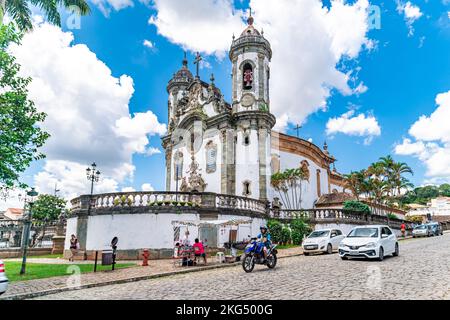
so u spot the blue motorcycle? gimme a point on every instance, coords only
(254, 255)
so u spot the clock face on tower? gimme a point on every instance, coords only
(247, 100)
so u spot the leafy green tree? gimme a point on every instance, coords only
(20, 135)
(444, 190)
(48, 207)
(357, 206)
(20, 12)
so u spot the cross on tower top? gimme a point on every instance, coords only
(197, 60)
(298, 127)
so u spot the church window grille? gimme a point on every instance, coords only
(248, 77)
(178, 166)
(211, 157)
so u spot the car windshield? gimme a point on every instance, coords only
(319, 234)
(363, 233)
(421, 227)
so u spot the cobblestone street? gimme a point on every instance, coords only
(421, 272)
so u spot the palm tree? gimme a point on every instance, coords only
(398, 181)
(288, 184)
(20, 12)
(355, 183)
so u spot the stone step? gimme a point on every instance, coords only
(80, 256)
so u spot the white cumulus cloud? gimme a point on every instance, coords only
(411, 13)
(354, 125)
(308, 42)
(88, 113)
(431, 143)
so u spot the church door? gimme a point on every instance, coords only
(210, 234)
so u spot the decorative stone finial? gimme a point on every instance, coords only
(250, 19)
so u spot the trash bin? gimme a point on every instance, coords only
(107, 257)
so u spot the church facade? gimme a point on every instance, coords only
(231, 148)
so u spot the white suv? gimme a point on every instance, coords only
(3, 278)
(374, 242)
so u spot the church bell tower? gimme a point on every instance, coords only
(250, 55)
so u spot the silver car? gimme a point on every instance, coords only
(3, 279)
(421, 231)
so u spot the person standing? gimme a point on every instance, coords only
(403, 229)
(74, 245)
(199, 250)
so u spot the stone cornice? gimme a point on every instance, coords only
(301, 147)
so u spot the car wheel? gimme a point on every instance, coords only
(306, 253)
(329, 249)
(381, 254)
(397, 251)
(344, 258)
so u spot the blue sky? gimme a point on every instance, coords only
(403, 70)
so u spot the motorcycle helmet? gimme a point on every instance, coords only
(263, 227)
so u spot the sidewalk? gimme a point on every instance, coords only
(158, 268)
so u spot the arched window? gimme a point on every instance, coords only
(248, 76)
(178, 165)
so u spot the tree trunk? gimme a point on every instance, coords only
(2, 10)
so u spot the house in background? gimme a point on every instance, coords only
(13, 214)
(438, 209)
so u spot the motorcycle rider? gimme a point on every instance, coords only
(265, 240)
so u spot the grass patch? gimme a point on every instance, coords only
(41, 270)
(288, 246)
(47, 256)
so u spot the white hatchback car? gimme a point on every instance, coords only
(3, 278)
(326, 240)
(374, 242)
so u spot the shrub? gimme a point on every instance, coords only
(391, 216)
(275, 229)
(299, 229)
(297, 237)
(285, 235)
(357, 206)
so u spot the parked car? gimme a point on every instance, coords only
(3, 278)
(422, 230)
(435, 229)
(373, 242)
(326, 240)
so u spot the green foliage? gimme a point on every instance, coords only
(285, 235)
(275, 228)
(357, 206)
(391, 216)
(20, 12)
(423, 195)
(299, 229)
(20, 135)
(415, 219)
(382, 182)
(48, 207)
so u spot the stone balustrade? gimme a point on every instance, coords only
(341, 216)
(165, 200)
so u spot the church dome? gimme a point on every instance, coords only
(251, 39)
(182, 76)
(250, 30)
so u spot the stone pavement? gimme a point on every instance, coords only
(422, 271)
(156, 268)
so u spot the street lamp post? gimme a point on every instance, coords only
(29, 199)
(92, 175)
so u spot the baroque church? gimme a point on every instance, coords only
(231, 148)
